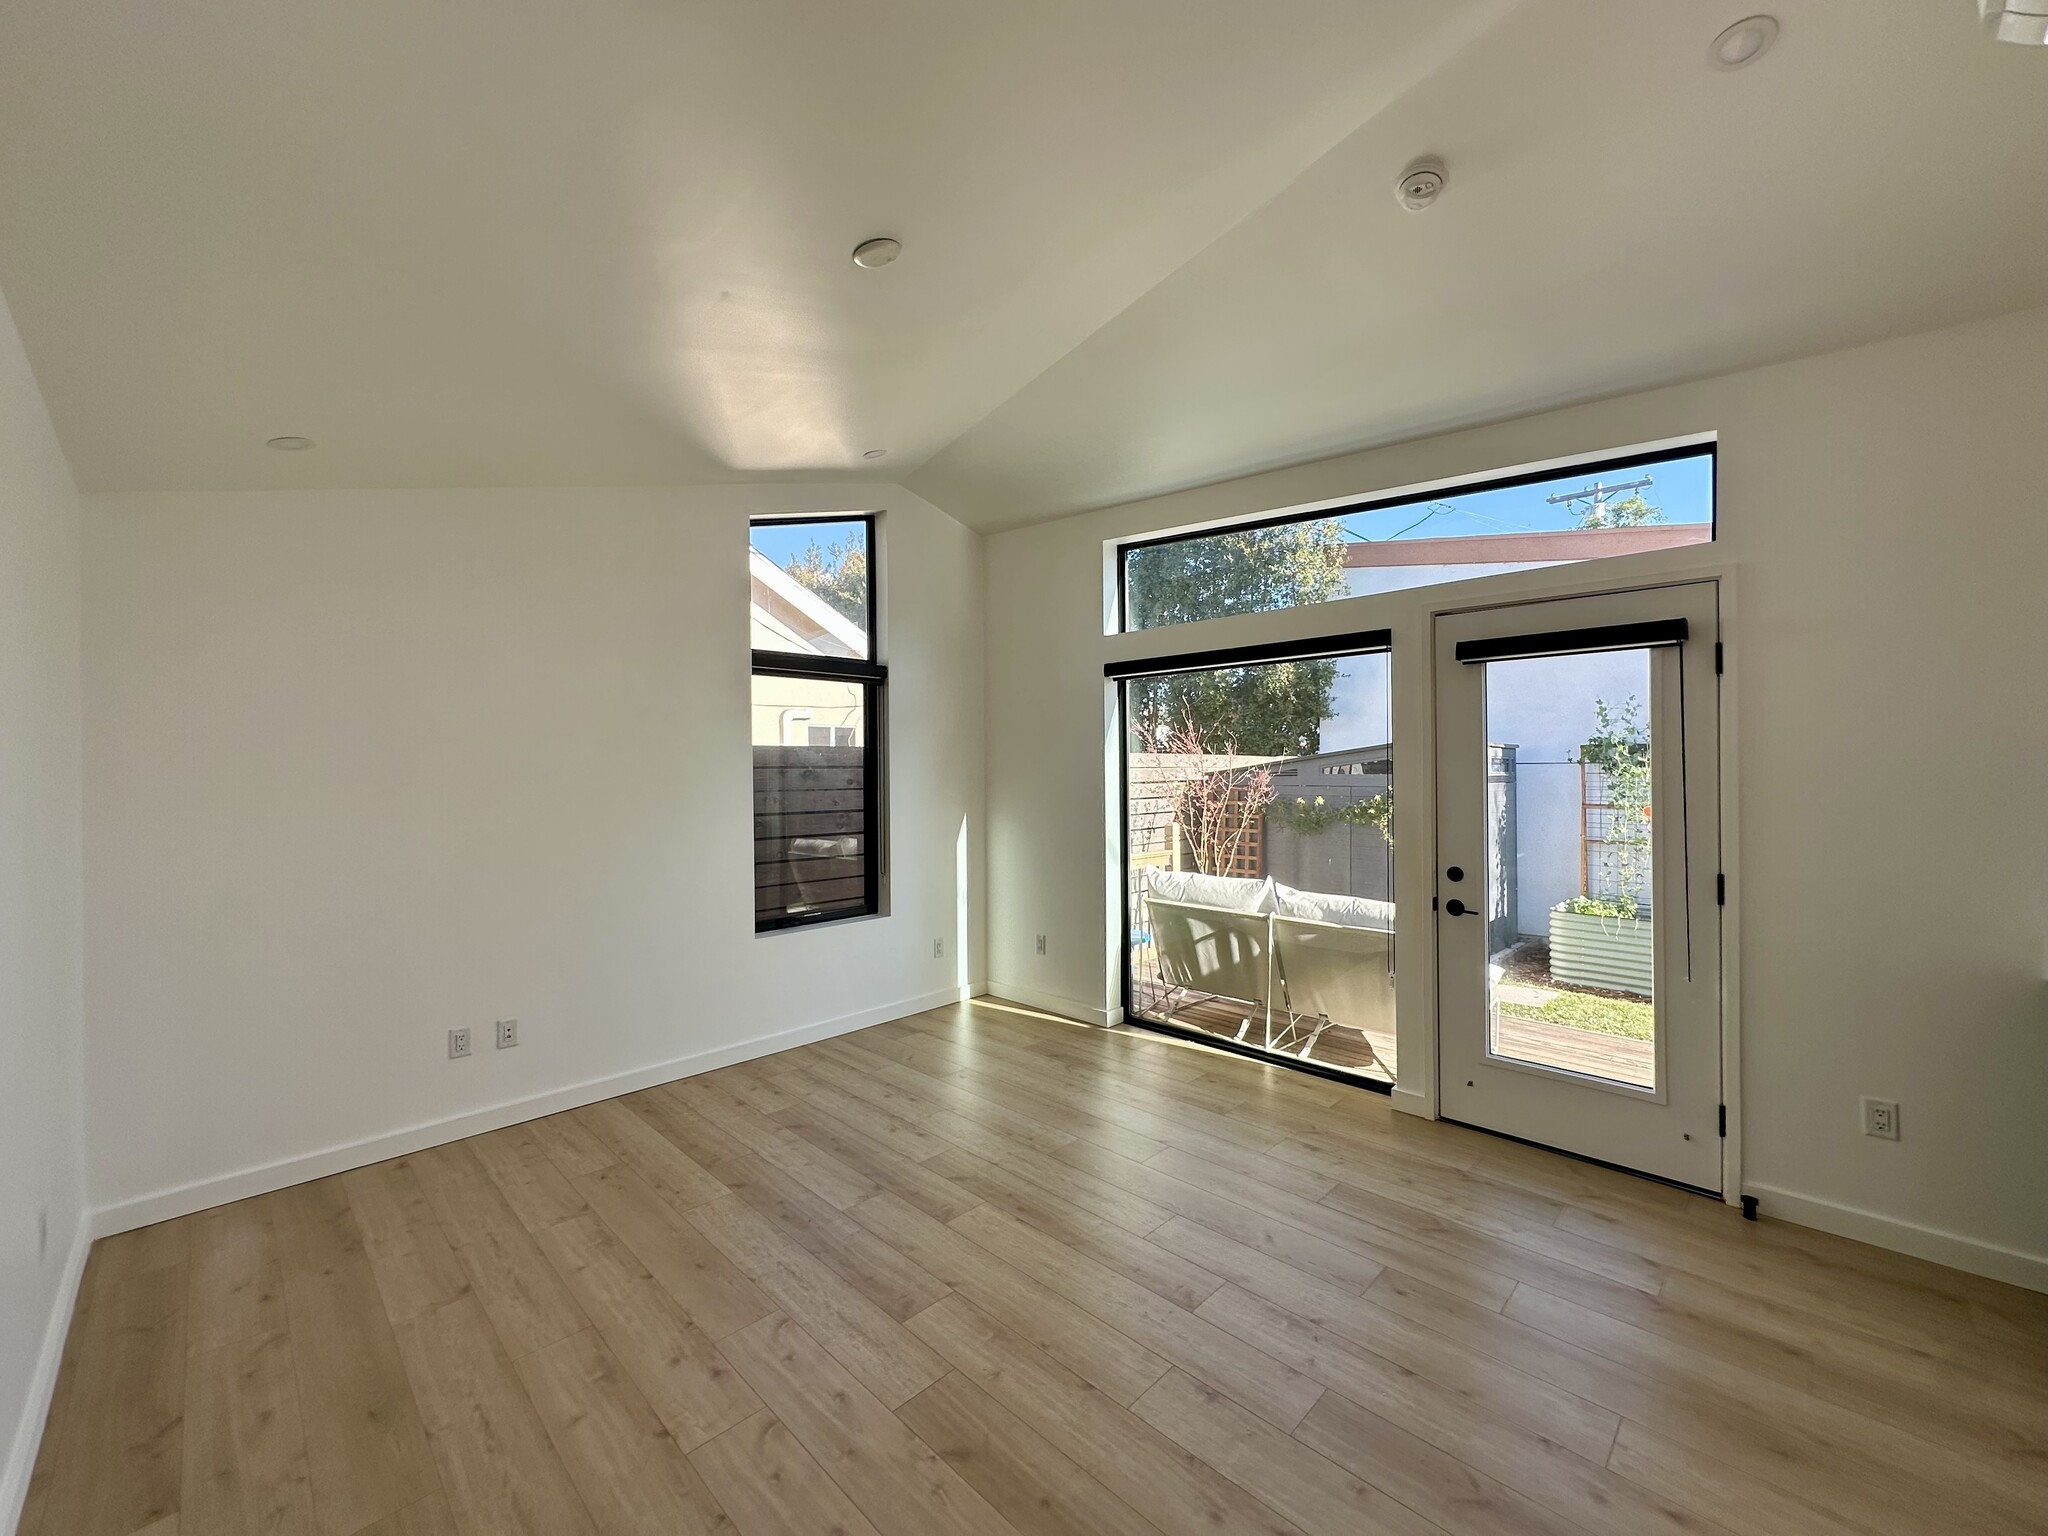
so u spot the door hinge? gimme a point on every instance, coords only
(1718, 659)
(1720, 890)
(1724, 1119)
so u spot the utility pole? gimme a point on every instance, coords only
(1595, 495)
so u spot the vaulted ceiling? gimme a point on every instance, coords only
(1147, 243)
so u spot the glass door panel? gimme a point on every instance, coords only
(1571, 864)
(1259, 857)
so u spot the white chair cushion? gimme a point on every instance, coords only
(1224, 893)
(1344, 911)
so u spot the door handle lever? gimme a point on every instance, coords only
(1457, 908)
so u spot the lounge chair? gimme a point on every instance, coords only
(1333, 965)
(1213, 935)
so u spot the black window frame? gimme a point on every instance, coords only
(1709, 450)
(873, 677)
(1120, 675)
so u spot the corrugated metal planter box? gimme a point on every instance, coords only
(1613, 953)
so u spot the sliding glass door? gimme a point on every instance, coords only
(1258, 791)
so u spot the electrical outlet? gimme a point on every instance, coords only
(1041, 943)
(508, 1033)
(1881, 1118)
(938, 949)
(458, 1043)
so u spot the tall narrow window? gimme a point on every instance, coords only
(816, 721)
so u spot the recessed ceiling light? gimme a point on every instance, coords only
(289, 444)
(1744, 43)
(876, 453)
(2017, 21)
(878, 252)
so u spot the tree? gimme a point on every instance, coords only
(839, 574)
(1275, 710)
(1217, 802)
(1632, 512)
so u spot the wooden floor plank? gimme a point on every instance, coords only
(1250, 1375)
(876, 1348)
(245, 1444)
(1311, 1490)
(1434, 1486)
(538, 1191)
(634, 1477)
(415, 1264)
(120, 1467)
(502, 1472)
(1100, 1354)
(981, 1270)
(662, 1165)
(878, 1272)
(708, 1286)
(1176, 1489)
(1023, 1475)
(675, 1364)
(771, 1486)
(1158, 1269)
(366, 1449)
(235, 1290)
(897, 1480)
(520, 1291)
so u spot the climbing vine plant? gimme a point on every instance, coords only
(1318, 815)
(1620, 749)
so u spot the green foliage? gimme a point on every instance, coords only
(1311, 816)
(1602, 1015)
(839, 574)
(1595, 906)
(1633, 512)
(1620, 749)
(1276, 710)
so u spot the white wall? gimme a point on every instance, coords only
(1886, 512)
(361, 767)
(41, 1138)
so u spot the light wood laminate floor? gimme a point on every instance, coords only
(978, 1271)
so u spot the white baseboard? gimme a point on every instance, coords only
(204, 1194)
(1932, 1243)
(1049, 1002)
(28, 1430)
(1410, 1102)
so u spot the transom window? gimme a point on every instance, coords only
(1518, 522)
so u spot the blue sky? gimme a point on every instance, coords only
(1683, 488)
(783, 542)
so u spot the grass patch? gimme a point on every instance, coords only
(1602, 1015)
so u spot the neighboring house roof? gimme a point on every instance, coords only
(795, 618)
(1557, 545)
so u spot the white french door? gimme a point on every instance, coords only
(1577, 895)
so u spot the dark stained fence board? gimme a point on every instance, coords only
(814, 794)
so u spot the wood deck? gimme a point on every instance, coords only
(1368, 1053)
(1371, 1053)
(980, 1271)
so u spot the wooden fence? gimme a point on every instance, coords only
(810, 830)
